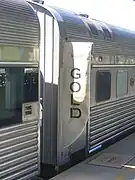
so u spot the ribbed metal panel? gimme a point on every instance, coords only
(19, 151)
(18, 24)
(73, 24)
(112, 47)
(110, 120)
(116, 40)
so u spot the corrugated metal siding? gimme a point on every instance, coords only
(18, 24)
(122, 41)
(112, 47)
(19, 151)
(73, 25)
(110, 120)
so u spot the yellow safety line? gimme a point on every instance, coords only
(121, 176)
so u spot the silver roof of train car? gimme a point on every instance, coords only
(70, 24)
(102, 30)
(73, 25)
(19, 24)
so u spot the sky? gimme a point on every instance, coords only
(116, 12)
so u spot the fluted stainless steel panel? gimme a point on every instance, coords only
(24, 173)
(110, 120)
(19, 151)
(113, 47)
(18, 24)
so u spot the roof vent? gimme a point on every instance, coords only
(93, 29)
(106, 32)
(84, 15)
(39, 1)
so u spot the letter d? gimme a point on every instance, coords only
(73, 114)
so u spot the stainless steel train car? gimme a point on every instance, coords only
(19, 91)
(88, 83)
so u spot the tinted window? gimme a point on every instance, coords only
(17, 86)
(103, 86)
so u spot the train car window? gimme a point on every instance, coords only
(103, 86)
(122, 83)
(17, 86)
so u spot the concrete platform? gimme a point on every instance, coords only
(117, 162)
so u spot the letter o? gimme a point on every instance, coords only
(72, 89)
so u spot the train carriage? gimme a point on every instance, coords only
(19, 91)
(87, 84)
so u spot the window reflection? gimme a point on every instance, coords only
(17, 86)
